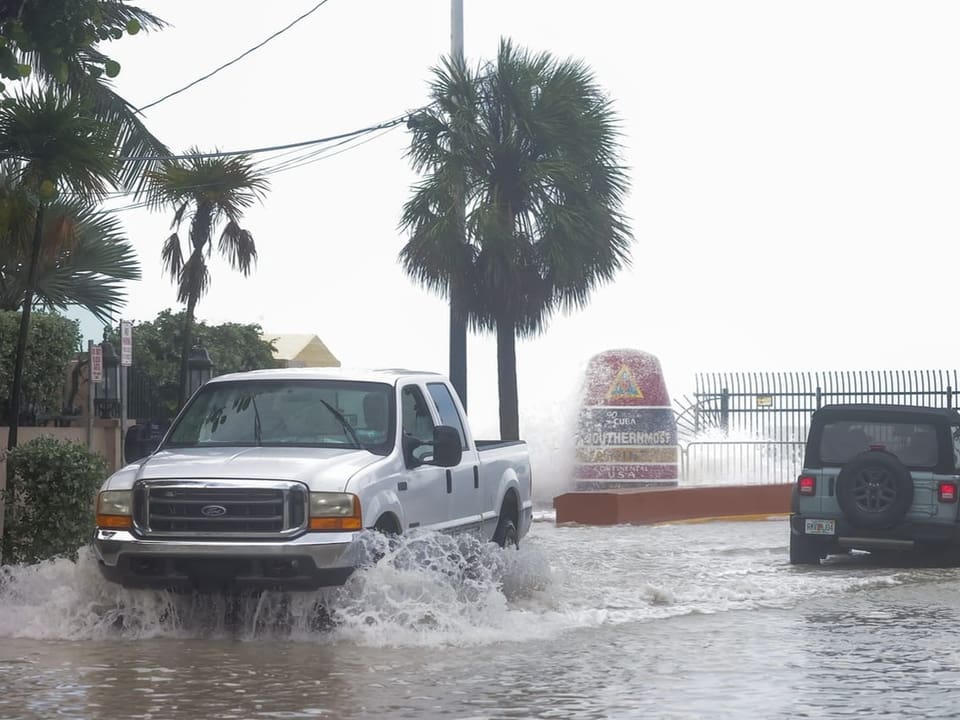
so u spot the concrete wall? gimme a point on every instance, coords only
(658, 505)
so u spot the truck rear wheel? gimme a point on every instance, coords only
(506, 534)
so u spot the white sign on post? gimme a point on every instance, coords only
(126, 343)
(96, 364)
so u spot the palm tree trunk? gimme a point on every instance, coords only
(507, 379)
(15, 386)
(186, 347)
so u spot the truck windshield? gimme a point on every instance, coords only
(305, 413)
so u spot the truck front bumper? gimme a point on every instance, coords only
(308, 562)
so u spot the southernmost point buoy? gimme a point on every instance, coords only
(627, 464)
(626, 431)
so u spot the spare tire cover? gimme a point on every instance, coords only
(874, 490)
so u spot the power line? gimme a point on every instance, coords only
(236, 59)
(288, 164)
(271, 148)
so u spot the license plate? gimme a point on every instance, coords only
(820, 527)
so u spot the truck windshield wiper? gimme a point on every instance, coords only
(256, 421)
(346, 426)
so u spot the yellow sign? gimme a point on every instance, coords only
(624, 386)
(764, 400)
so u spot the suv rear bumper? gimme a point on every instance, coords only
(903, 536)
(308, 562)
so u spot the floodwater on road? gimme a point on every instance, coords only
(672, 621)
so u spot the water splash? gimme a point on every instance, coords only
(427, 588)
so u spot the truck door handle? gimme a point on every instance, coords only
(476, 477)
(449, 482)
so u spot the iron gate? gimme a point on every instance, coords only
(751, 427)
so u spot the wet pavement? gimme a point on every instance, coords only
(676, 621)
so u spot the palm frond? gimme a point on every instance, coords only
(57, 142)
(172, 257)
(236, 244)
(194, 278)
(85, 260)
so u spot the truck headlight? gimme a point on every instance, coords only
(115, 509)
(335, 511)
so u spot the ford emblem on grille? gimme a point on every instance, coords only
(213, 510)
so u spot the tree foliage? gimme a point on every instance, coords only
(53, 343)
(84, 259)
(56, 43)
(233, 347)
(60, 37)
(530, 145)
(51, 513)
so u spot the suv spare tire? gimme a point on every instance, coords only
(874, 490)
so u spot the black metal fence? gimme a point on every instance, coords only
(145, 400)
(751, 427)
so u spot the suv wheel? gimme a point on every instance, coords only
(874, 490)
(802, 551)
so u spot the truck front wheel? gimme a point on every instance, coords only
(506, 534)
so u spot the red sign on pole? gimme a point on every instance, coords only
(126, 343)
(96, 364)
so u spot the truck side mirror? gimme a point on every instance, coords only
(447, 450)
(140, 441)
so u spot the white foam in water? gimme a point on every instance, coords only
(429, 588)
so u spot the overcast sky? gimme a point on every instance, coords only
(795, 170)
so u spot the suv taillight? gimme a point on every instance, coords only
(947, 492)
(807, 485)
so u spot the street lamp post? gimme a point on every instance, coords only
(199, 369)
(108, 402)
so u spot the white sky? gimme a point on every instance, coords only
(795, 170)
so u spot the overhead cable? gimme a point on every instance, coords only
(236, 59)
(271, 148)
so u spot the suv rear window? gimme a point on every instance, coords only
(914, 444)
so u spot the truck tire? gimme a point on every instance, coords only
(387, 527)
(802, 551)
(506, 534)
(874, 490)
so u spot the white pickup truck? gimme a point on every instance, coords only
(267, 479)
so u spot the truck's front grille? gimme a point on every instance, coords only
(220, 509)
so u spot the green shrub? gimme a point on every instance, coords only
(52, 511)
(52, 343)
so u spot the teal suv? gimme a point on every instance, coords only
(877, 478)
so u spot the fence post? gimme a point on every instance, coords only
(819, 397)
(725, 410)
(949, 397)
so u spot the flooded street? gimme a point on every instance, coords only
(675, 621)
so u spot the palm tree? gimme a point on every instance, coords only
(61, 149)
(54, 147)
(533, 144)
(84, 257)
(211, 190)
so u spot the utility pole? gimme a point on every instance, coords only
(458, 318)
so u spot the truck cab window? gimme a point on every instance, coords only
(447, 409)
(416, 414)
